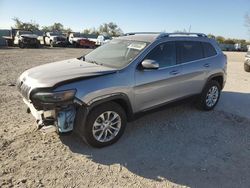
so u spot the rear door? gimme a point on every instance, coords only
(190, 56)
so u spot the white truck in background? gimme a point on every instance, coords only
(55, 39)
(22, 39)
(102, 39)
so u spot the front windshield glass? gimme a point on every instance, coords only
(55, 34)
(77, 35)
(24, 32)
(116, 53)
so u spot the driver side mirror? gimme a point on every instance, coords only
(150, 64)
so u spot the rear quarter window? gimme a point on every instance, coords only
(208, 49)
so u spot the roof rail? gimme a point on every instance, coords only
(138, 33)
(181, 34)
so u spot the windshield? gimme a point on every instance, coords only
(116, 53)
(77, 35)
(24, 32)
(55, 34)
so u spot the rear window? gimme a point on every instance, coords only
(209, 50)
(188, 51)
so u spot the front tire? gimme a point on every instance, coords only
(104, 126)
(76, 45)
(51, 44)
(209, 96)
(21, 44)
(246, 68)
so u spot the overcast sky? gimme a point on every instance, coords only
(219, 17)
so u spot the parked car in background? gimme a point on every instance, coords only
(248, 47)
(96, 94)
(247, 62)
(55, 39)
(240, 47)
(26, 39)
(102, 39)
(227, 47)
(22, 39)
(78, 40)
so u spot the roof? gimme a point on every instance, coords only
(140, 37)
(150, 36)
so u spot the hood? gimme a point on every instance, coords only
(33, 36)
(50, 74)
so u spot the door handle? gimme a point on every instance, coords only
(174, 72)
(206, 65)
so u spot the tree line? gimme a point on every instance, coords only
(110, 28)
(224, 40)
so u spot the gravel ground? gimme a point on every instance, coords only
(177, 146)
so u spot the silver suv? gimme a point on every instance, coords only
(95, 95)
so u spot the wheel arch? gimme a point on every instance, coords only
(119, 98)
(219, 77)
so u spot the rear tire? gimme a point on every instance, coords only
(104, 125)
(246, 68)
(209, 96)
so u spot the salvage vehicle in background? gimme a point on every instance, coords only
(78, 40)
(247, 62)
(102, 39)
(22, 39)
(96, 94)
(55, 39)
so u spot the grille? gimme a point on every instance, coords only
(23, 89)
(60, 39)
(29, 40)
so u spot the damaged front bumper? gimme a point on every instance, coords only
(61, 117)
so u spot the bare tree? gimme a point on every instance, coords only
(56, 27)
(30, 26)
(110, 29)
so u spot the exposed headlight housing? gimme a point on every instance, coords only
(53, 97)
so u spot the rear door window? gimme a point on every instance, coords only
(188, 51)
(208, 49)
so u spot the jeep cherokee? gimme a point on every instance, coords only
(95, 95)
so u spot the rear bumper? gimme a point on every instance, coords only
(247, 61)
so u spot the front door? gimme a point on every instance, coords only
(157, 86)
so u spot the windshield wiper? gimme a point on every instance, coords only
(81, 58)
(94, 62)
